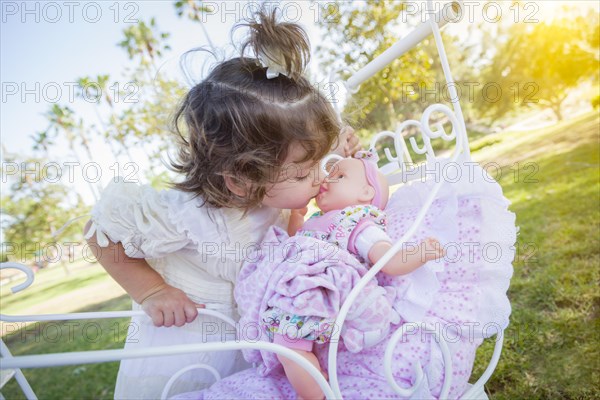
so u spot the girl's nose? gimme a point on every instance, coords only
(319, 177)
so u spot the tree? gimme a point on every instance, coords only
(143, 42)
(43, 140)
(147, 120)
(536, 65)
(358, 32)
(35, 209)
(63, 121)
(109, 130)
(193, 10)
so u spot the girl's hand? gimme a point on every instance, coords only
(350, 141)
(169, 306)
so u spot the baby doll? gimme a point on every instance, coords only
(351, 201)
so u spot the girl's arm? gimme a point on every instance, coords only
(405, 262)
(165, 304)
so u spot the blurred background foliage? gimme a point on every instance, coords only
(535, 65)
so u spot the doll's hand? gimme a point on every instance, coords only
(299, 211)
(431, 249)
(296, 220)
(170, 306)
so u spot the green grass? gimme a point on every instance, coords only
(90, 381)
(49, 283)
(552, 344)
(552, 347)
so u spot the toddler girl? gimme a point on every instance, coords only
(250, 139)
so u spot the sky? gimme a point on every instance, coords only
(46, 46)
(44, 49)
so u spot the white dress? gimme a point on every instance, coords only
(198, 249)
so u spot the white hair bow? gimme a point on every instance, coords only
(273, 64)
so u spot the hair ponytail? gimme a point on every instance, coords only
(278, 43)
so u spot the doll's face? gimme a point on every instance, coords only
(346, 185)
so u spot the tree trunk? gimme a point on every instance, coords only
(62, 263)
(104, 130)
(556, 111)
(555, 105)
(72, 148)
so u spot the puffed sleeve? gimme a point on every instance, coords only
(137, 216)
(357, 219)
(366, 238)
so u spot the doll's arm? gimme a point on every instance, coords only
(296, 220)
(406, 261)
(165, 304)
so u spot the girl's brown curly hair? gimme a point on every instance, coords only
(240, 124)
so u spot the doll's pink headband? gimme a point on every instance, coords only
(369, 159)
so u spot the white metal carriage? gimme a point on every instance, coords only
(395, 168)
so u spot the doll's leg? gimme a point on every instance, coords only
(304, 385)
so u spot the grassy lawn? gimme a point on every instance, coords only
(552, 345)
(90, 381)
(48, 284)
(55, 292)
